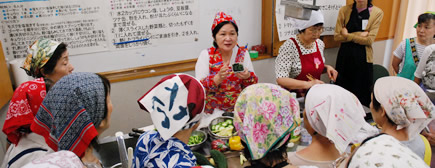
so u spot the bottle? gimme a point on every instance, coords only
(305, 137)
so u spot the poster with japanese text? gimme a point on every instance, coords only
(88, 26)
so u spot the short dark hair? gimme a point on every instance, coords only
(273, 156)
(316, 25)
(377, 107)
(48, 68)
(426, 18)
(218, 27)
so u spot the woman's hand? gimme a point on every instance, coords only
(243, 75)
(344, 32)
(221, 75)
(364, 34)
(332, 73)
(311, 83)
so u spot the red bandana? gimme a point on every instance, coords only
(221, 17)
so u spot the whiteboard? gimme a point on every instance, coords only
(101, 58)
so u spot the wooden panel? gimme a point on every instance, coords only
(390, 18)
(266, 25)
(5, 81)
(157, 70)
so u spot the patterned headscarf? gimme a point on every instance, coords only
(385, 151)
(175, 103)
(221, 17)
(38, 55)
(70, 112)
(264, 116)
(334, 113)
(405, 103)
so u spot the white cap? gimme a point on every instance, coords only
(315, 18)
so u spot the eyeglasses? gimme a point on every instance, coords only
(316, 30)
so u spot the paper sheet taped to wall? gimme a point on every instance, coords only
(97, 25)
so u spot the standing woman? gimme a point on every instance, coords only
(47, 60)
(300, 61)
(356, 29)
(214, 70)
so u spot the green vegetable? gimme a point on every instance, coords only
(219, 159)
(201, 159)
(223, 128)
(195, 139)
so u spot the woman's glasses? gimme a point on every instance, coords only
(316, 30)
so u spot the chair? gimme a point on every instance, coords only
(378, 72)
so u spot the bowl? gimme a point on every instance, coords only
(216, 121)
(200, 133)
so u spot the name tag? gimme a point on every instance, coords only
(364, 24)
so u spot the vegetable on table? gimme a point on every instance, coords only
(219, 145)
(201, 159)
(235, 143)
(219, 159)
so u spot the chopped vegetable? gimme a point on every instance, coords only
(195, 139)
(224, 128)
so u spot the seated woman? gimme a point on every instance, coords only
(402, 109)
(410, 51)
(47, 60)
(176, 105)
(300, 61)
(263, 116)
(333, 116)
(214, 66)
(382, 151)
(76, 110)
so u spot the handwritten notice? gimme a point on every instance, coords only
(78, 24)
(97, 25)
(161, 22)
(329, 8)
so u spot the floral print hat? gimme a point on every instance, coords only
(221, 17)
(38, 55)
(264, 117)
(405, 103)
(335, 113)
